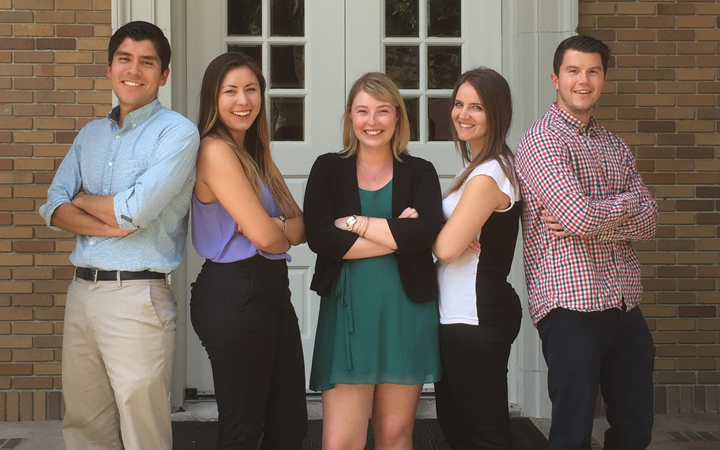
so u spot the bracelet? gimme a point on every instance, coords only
(283, 219)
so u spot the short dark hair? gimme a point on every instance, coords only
(141, 31)
(581, 43)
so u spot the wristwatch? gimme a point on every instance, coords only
(351, 221)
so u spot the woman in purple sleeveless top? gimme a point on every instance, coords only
(244, 221)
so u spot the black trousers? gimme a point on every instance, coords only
(242, 313)
(472, 395)
(612, 349)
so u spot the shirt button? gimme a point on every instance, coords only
(92, 242)
(117, 136)
(105, 191)
(110, 163)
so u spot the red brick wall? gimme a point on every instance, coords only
(663, 98)
(52, 82)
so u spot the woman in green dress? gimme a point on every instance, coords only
(371, 213)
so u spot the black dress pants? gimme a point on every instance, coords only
(472, 396)
(242, 313)
(612, 349)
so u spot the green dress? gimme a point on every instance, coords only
(369, 331)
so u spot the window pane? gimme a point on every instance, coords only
(287, 18)
(244, 17)
(401, 18)
(287, 121)
(444, 18)
(443, 67)
(413, 111)
(287, 66)
(253, 51)
(402, 64)
(439, 121)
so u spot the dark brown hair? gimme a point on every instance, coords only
(494, 93)
(142, 31)
(254, 154)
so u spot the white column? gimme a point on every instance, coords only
(532, 29)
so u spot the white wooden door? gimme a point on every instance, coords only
(311, 52)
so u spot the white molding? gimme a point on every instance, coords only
(532, 29)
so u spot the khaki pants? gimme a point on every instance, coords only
(117, 361)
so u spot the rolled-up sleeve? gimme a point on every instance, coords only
(66, 184)
(173, 167)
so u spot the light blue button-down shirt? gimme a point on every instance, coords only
(149, 165)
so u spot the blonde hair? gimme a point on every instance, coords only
(382, 88)
(254, 154)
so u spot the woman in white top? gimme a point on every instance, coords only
(480, 312)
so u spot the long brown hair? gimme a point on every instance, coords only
(494, 92)
(254, 154)
(382, 88)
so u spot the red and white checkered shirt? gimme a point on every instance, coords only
(587, 179)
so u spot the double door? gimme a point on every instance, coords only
(311, 52)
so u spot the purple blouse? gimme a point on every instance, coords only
(214, 235)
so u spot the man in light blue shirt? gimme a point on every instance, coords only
(124, 188)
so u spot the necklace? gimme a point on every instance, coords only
(377, 173)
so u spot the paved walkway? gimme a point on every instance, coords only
(687, 432)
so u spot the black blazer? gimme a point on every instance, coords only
(332, 192)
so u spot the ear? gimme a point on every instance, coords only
(164, 77)
(109, 70)
(554, 79)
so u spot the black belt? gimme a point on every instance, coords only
(95, 275)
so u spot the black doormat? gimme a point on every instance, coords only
(426, 435)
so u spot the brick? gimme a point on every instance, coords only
(94, 70)
(708, 35)
(656, 48)
(33, 30)
(675, 325)
(636, 35)
(33, 84)
(675, 113)
(13, 123)
(14, 178)
(673, 9)
(17, 97)
(92, 44)
(75, 110)
(16, 70)
(696, 231)
(675, 298)
(15, 369)
(54, 17)
(695, 48)
(17, 44)
(660, 400)
(667, 351)
(46, 341)
(695, 22)
(74, 4)
(12, 406)
(48, 369)
(32, 383)
(32, 328)
(656, 74)
(34, 164)
(635, 61)
(32, 274)
(32, 299)
(55, 71)
(93, 18)
(33, 4)
(52, 260)
(695, 74)
(635, 9)
(616, 22)
(51, 287)
(75, 31)
(696, 126)
(54, 124)
(708, 377)
(73, 58)
(55, 97)
(74, 84)
(664, 364)
(656, 22)
(709, 245)
(708, 297)
(710, 272)
(675, 378)
(708, 324)
(16, 17)
(33, 355)
(34, 110)
(33, 57)
(676, 35)
(65, 136)
(54, 403)
(15, 342)
(708, 61)
(675, 61)
(675, 139)
(58, 151)
(656, 126)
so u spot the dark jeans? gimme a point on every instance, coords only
(472, 397)
(243, 315)
(612, 349)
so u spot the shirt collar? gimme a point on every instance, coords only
(135, 117)
(572, 122)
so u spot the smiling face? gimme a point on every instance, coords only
(373, 121)
(579, 83)
(469, 117)
(239, 101)
(136, 75)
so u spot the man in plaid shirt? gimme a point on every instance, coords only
(584, 203)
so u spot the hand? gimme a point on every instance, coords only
(473, 247)
(238, 229)
(552, 224)
(409, 213)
